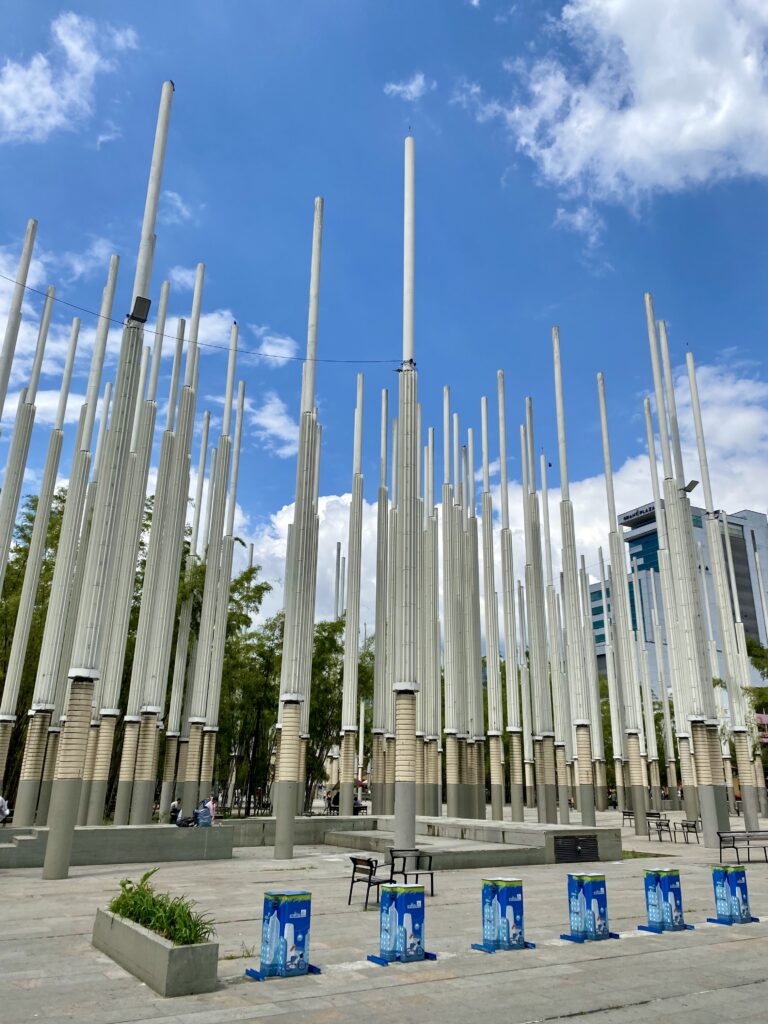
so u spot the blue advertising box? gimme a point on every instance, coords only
(664, 900)
(739, 899)
(596, 906)
(401, 923)
(503, 913)
(671, 899)
(285, 933)
(722, 893)
(653, 900)
(577, 908)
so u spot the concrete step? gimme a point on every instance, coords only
(447, 854)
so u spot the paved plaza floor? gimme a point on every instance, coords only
(49, 971)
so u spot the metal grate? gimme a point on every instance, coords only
(572, 849)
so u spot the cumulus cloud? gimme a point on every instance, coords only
(174, 209)
(735, 411)
(660, 97)
(47, 404)
(274, 349)
(585, 221)
(274, 425)
(413, 89)
(74, 266)
(183, 277)
(55, 90)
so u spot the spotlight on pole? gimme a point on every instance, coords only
(140, 312)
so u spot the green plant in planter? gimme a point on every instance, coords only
(171, 917)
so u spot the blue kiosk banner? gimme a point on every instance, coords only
(588, 909)
(401, 923)
(664, 901)
(731, 896)
(502, 905)
(285, 934)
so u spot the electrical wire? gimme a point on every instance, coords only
(205, 344)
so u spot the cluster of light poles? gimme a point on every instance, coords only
(531, 710)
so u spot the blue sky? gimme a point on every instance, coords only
(569, 157)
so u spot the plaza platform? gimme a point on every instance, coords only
(52, 973)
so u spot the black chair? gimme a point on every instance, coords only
(412, 862)
(364, 871)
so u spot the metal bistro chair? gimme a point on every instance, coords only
(412, 862)
(364, 871)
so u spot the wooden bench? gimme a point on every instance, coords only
(364, 872)
(686, 828)
(627, 818)
(743, 840)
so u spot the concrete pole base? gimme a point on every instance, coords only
(46, 786)
(26, 802)
(142, 801)
(377, 797)
(285, 823)
(123, 802)
(497, 803)
(563, 796)
(530, 789)
(405, 816)
(96, 802)
(65, 802)
(749, 808)
(601, 785)
(587, 804)
(346, 799)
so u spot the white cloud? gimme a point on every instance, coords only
(47, 403)
(109, 133)
(274, 425)
(413, 89)
(662, 97)
(274, 349)
(55, 90)
(183, 277)
(584, 220)
(174, 209)
(76, 265)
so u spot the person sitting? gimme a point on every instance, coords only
(5, 811)
(202, 815)
(175, 810)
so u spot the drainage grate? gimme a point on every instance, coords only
(571, 849)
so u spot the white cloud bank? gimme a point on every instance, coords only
(735, 412)
(661, 96)
(411, 90)
(55, 90)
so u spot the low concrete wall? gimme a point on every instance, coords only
(168, 969)
(122, 844)
(309, 831)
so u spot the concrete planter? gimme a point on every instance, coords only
(168, 969)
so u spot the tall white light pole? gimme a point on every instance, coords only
(35, 559)
(352, 620)
(622, 620)
(41, 745)
(514, 727)
(86, 654)
(405, 682)
(380, 695)
(300, 601)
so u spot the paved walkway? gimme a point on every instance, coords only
(50, 972)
